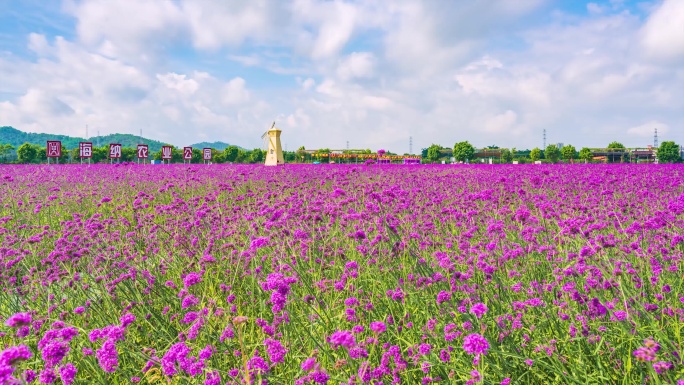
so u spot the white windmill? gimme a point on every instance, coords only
(274, 151)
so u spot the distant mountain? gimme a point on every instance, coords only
(126, 140)
(215, 145)
(16, 138)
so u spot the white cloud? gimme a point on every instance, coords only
(356, 65)
(299, 119)
(308, 83)
(647, 130)
(214, 24)
(179, 83)
(38, 102)
(501, 123)
(663, 33)
(235, 92)
(133, 30)
(373, 72)
(38, 44)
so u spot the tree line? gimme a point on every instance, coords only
(667, 152)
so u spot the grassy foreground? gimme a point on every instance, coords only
(223, 274)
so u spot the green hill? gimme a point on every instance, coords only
(16, 138)
(215, 145)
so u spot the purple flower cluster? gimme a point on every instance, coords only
(372, 275)
(475, 344)
(279, 285)
(178, 358)
(9, 358)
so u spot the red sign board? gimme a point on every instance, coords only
(167, 152)
(206, 153)
(85, 149)
(187, 153)
(143, 151)
(53, 149)
(114, 151)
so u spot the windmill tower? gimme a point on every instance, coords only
(274, 151)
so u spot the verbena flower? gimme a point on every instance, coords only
(475, 344)
(18, 319)
(479, 309)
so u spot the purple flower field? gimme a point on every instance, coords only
(225, 274)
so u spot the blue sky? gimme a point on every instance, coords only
(373, 73)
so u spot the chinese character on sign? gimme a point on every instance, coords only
(54, 149)
(85, 149)
(187, 153)
(142, 151)
(206, 154)
(167, 152)
(114, 151)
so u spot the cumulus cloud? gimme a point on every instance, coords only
(647, 130)
(663, 33)
(373, 72)
(356, 65)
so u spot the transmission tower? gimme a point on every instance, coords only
(544, 146)
(347, 145)
(410, 145)
(655, 137)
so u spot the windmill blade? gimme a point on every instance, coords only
(264, 134)
(273, 125)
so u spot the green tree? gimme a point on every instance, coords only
(301, 154)
(616, 146)
(257, 155)
(552, 153)
(241, 156)
(290, 156)
(101, 154)
(74, 153)
(5, 150)
(506, 156)
(535, 154)
(26, 153)
(218, 156)
(668, 152)
(433, 153)
(586, 154)
(463, 151)
(568, 152)
(196, 155)
(231, 153)
(129, 154)
(41, 153)
(176, 154)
